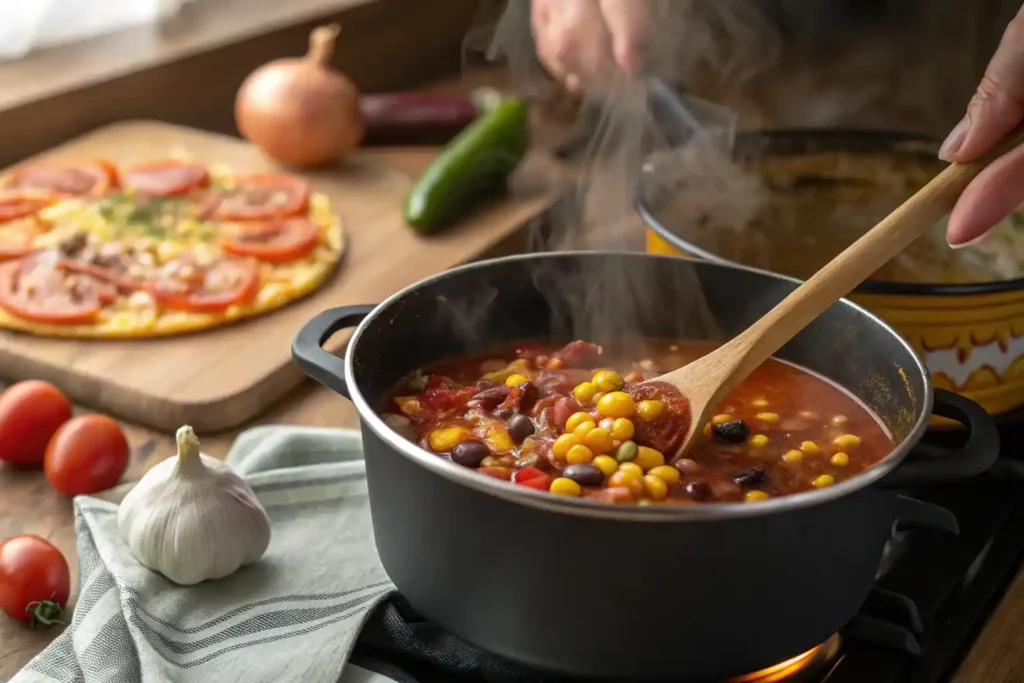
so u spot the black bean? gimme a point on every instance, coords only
(470, 453)
(519, 427)
(733, 431)
(698, 490)
(749, 477)
(528, 397)
(489, 399)
(503, 413)
(584, 474)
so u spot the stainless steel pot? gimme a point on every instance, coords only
(629, 593)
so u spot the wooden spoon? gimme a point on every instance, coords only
(707, 381)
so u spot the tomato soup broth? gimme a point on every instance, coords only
(576, 421)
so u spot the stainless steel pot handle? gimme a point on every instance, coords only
(308, 346)
(929, 463)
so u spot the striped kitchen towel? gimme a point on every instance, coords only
(295, 616)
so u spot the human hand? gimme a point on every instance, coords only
(580, 41)
(996, 109)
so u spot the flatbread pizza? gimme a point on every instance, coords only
(90, 250)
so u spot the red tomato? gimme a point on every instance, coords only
(532, 478)
(41, 292)
(169, 178)
(260, 196)
(16, 204)
(30, 413)
(88, 453)
(224, 284)
(277, 241)
(92, 178)
(34, 580)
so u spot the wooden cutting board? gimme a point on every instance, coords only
(224, 377)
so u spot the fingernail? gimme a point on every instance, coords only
(955, 140)
(970, 243)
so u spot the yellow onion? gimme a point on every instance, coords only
(299, 111)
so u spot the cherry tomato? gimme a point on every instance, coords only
(89, 453)
(34, 580)
(30, 413)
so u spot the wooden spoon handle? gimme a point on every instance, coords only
(860, 260)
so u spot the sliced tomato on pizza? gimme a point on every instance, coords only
(263, 196)
(92, 178)
(167, 178)
(35, 288)
(208, 289)
(275, 241)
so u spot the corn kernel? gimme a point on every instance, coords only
(606, 464)
(647, 458)
(770, 418)
(846, 441)
(627, 480)
(607, 380)
(579, 454)
(759, 403)
(707, 429)
(564, 486)
(607, 423)
(576, 419)
(584, 392)
(584, 428)
(839, 420)
(793, 456)
(615, 404)
(649, 411)
(840, 459)
(823, 481)
(810, 447)
(626, 451)
(754, 496)
(409, 406)
(631, 467)
(515, 380)
(622, 429)
(655, 487)
(500, 441)
(598, 440)
(562, 444)
(556, 364)
(719, 419)
(759, 441)
(667, 472)
(447, 438)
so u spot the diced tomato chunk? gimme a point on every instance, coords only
(541, 483)
(526, 474)
(579, 354)
(616, 494)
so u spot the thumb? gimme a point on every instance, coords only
(998, 105)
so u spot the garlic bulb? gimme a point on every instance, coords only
(192, 519)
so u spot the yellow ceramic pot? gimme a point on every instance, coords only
(971, 337)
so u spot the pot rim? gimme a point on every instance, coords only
(631, 513)
(869, 286)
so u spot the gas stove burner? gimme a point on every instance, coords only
(805, 668)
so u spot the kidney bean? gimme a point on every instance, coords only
(687, 466)
(749, 477)
(584, 474)
(489, 399)
(562, 409)
(470, 453)
(733, 431)
(698, 490)
(528, 396)
(519, 427)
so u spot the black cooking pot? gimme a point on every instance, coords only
(629, 592)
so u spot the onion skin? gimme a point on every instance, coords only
(298, 110)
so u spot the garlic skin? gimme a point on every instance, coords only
(192, 519)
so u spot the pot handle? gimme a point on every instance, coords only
(929, 463)
(308, 346)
